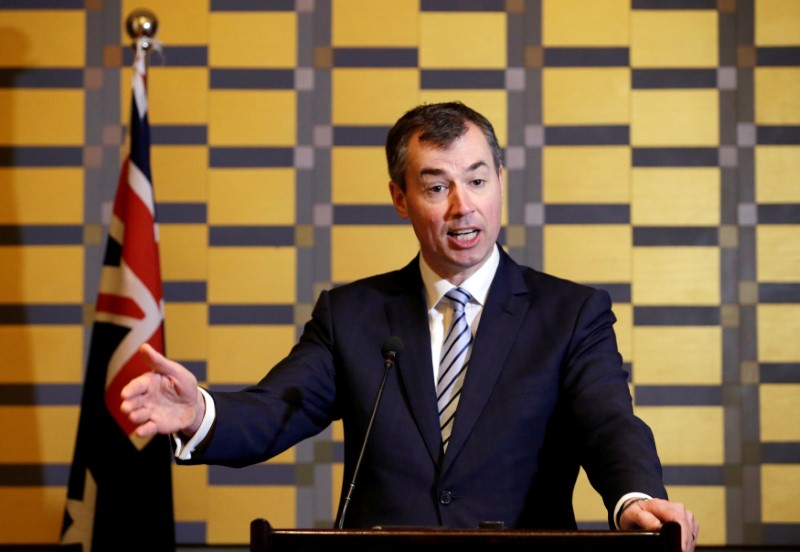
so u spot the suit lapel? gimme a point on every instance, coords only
(500, 321)
(408, 319)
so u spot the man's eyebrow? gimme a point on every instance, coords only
(431, 171)
(477, 165)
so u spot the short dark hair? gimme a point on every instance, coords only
(440, 124)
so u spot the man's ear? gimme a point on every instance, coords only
(398, 199)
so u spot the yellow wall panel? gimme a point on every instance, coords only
(175, 95)
(778, 328)
(777, 22)
(31, 514)
(50, 38)
(676, 276)
(575, 23)
(372, 96)
(248, 275)
(588, 252)
(231, 509)
(358, 251)
(674, 38)
(675, 118)
(251, 196)
(676, 197)
(584, 174)
(252, 118)
(359, 176)
(190, 492)
(686, 435)
(778, 249)
(588, 505)
(445, 40)
(253, 39)
(337, 431)
(183, 249)
(677, 355)
(180, 173)
(776, 171)
(41, 354)
(779, 415)
(776, 93)
(37, 38)
(708, 504)
(40, 434)
(37, 117)
(357, 23)
(244, 354)
(186, 327)
(286, 457)
(41, 195)
(779, 484)
(337, 477)
(27, 275)
(586, 96)
(179, 21)
(491, 103)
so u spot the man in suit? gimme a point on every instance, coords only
(538, 391)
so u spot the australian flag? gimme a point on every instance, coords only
(120, 486)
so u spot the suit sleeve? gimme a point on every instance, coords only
(618, 450)
(295, 400)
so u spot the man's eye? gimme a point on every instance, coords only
(478, 182)
(437, 189)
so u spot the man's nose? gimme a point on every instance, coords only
(460, 199)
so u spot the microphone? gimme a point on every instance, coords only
(390, 350)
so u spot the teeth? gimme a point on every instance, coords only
(464, 235)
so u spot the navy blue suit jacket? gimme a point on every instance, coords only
(545, 393)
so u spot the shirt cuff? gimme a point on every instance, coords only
(625, 498)
(184, 451)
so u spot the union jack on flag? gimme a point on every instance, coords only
(120, 487)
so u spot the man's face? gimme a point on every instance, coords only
(453, 198)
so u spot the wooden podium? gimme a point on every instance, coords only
(264, 538)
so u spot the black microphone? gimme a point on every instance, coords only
(390, 350)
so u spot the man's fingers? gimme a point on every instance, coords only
(137, 413)
(136, 386)
(650, 514)
(643, 516)
(145, 430)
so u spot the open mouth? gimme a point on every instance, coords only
(464, 235)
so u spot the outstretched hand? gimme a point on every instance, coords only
(164, 400)
(650, 514)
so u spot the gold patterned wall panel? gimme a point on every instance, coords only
(651, 148)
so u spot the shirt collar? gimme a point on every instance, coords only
(477, 284)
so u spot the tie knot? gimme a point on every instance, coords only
(458, 298)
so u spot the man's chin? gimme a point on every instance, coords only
(466, 260)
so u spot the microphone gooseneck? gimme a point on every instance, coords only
(390, 350)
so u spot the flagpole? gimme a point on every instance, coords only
(119, 494)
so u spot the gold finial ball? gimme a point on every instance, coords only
(141, 23)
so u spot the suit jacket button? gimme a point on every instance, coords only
(445, 497)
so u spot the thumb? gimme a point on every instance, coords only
(155, 360)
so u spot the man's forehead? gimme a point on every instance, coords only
(469, 151)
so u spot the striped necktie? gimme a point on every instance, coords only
(454, 361)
